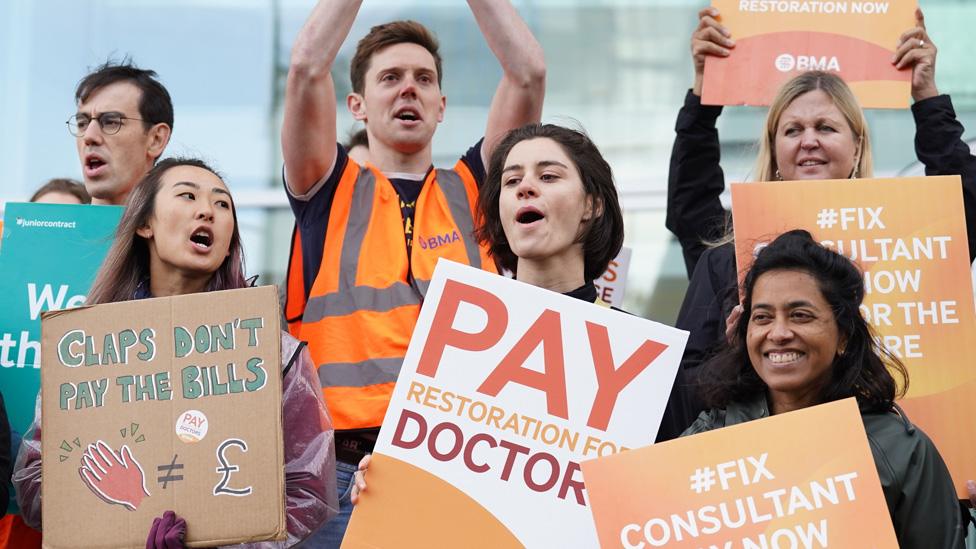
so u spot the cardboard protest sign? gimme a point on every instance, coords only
(909, 237)
(504, 389)
(776, 40)
(157, 404)
(613, 284)
(755, 485)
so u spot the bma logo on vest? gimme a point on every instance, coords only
(787, 62)
(439, 240)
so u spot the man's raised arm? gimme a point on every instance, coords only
(308, 132)
(518, 99)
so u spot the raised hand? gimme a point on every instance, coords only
(916, 50)
(710, 38)
(115, 478)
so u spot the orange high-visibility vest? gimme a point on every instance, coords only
(365, 300)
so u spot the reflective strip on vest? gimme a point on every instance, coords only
(359, 298)
(361, 374)
(452, 187)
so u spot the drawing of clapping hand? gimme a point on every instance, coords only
(115, 478)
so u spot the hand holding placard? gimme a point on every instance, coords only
(916, 50)
(710, 38)
(167, 532)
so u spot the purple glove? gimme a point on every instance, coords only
(167, 532)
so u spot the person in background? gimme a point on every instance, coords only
(801, 341)
(178, 236)
(123, 123)
(814, 129)
(61, 191)
(354, 294)
(358, 147)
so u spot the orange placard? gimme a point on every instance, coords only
(909, 237)
(778, 39)
(757, 484)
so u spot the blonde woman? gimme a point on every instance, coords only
(814, 129)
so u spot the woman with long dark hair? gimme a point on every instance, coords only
(801, 341)
(179, 236)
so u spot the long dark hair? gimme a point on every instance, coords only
(860, 371)
(127, 263)
(602, 236)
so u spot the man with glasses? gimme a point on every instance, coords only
(123, 123)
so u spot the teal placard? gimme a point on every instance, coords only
(48, 260)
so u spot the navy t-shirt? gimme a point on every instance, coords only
(312, 210)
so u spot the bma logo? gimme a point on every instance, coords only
(787, 63)
(439, 240)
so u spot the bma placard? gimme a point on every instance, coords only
(776, 40)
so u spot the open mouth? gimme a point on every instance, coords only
(529, 215)
(202, 238)
(407, 115)
(93, 162)
(787, 357)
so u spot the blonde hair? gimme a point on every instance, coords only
(842, 97)
(840, 94)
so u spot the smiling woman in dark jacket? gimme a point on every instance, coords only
(802, 341)
(695, 181)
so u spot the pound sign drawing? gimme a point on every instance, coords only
(228, 469)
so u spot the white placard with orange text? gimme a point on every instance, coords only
(611, 286)
(504, 390)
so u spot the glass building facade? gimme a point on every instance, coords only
(618, 68)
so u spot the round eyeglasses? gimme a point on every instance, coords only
(109, 122)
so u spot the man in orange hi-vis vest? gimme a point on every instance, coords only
(368, 237)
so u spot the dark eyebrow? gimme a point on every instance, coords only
(790, 305)
(548, 163)
(215, 190)
(540, 164)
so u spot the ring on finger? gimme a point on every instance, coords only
(921, 43)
